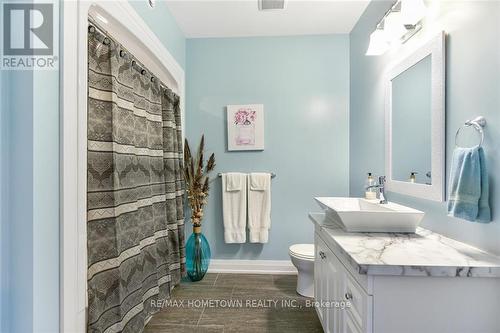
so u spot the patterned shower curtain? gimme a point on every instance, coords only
(135, 221)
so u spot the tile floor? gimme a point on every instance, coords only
(247, 303)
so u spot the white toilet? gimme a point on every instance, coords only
(302, 256)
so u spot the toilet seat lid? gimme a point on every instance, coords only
(302, 250)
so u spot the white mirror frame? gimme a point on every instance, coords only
(436, 191)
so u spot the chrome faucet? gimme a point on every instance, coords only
(381, 189)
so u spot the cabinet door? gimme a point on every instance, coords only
(329, 278)
(360, 311)
(320, 278)
(334, 286)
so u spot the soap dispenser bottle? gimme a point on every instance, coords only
(413, 177)
(370, 187)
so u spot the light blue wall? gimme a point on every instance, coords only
(17, 210)
(30, 216)
(21, 238)
(46, 200)
(46, 196)
(472, 88)
(162, 23)
(303, 83)
(4, 202)
(30, 211)
(3, 198)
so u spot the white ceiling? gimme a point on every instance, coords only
(241, 18)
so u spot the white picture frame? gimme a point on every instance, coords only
(245, 127)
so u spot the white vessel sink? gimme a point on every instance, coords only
(361, 215)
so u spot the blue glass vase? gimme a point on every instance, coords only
(197, 255)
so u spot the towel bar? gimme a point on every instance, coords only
(272, 174)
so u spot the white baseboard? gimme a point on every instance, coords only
(252, 266)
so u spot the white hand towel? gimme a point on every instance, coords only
(234, 206)
(259, 182)
(234, 181)
(259, 207)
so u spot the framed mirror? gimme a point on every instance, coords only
(415, 123)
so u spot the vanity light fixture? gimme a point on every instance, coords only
(398, 25)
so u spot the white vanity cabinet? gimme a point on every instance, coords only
(387, 295)
(334, 289)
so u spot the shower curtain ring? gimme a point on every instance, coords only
(143, 71)
(122, 53)
(91, 29)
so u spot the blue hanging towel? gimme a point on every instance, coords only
(469, 186)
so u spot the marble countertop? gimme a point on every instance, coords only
(424, 253)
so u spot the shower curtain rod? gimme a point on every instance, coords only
(124, 53)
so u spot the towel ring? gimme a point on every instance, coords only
(478, 124)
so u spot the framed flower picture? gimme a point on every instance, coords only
(245, 127)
